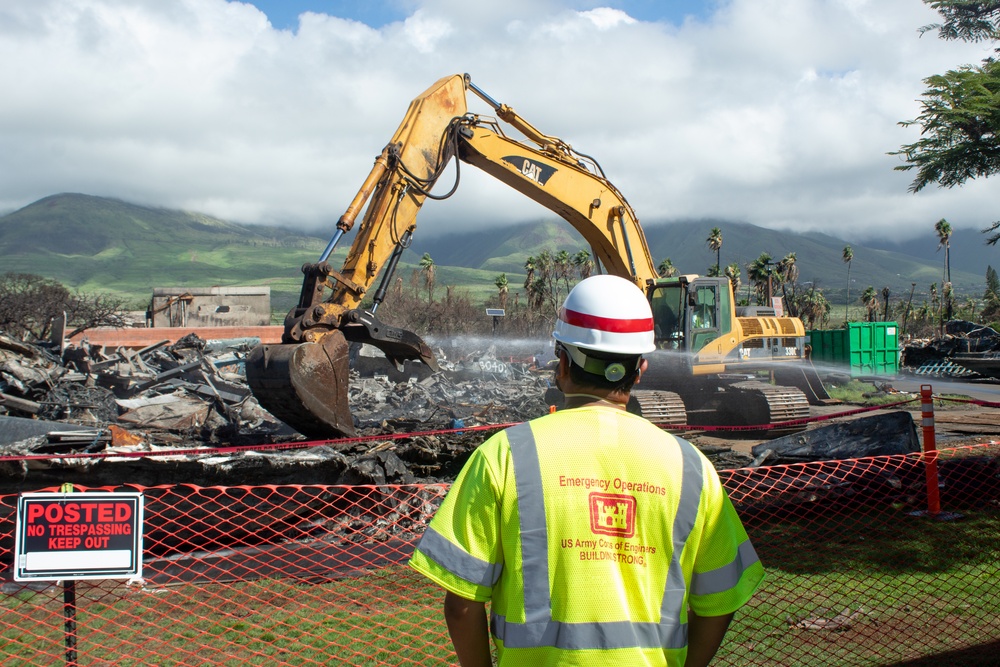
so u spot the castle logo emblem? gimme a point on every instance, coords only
(612, 514)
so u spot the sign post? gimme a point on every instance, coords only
(496, 314)
(67, 536)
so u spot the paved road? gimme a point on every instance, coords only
(984, 391)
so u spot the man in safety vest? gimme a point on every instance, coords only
(598, 538)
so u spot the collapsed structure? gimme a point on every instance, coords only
(86, 412)
(965, 350)
(60, 401)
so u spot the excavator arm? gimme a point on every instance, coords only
(564, 181)
(304, 380)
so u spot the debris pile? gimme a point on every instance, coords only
(966, 350)
(875, 435)
(173, 393)
(192, 394)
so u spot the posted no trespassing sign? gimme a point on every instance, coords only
(78, 536)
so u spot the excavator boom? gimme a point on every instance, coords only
(304, 381)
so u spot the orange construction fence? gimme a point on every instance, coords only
(859, 572)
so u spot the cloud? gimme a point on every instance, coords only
(775, 113)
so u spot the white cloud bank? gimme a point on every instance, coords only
(771, 112)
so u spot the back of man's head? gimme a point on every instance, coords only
(605, 326)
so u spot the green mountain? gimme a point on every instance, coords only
(99, 244)
(818, 256)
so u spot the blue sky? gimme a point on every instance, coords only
(284, 14)
(775, 112)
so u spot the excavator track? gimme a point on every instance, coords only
(659, 407)
(753, 403)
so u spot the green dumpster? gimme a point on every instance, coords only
(867, 348)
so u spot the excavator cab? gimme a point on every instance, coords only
(689, 312)
(668, 303)
(704, 307)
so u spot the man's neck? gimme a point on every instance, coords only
(580, 400)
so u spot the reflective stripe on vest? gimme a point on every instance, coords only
(450, 557)
(539, 629)
(727, 576)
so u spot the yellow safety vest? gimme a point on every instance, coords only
(591, 531)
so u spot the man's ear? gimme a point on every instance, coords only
(643, 365)
(561, 369)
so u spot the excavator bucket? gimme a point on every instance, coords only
(305, 385)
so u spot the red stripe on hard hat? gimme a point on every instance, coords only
(611, 325)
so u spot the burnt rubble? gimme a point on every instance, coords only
(59, 400)
(965, 350)
(85, 413)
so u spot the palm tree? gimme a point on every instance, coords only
(733, 273)
(584, 264)
(788, 273)
(758, 274)
(935, 303)
(814, 307)
(848, 258)
(948, 298)
(563, 267)
(885, 302)
(869, 299)
(427, 267)
(714, 242)
(943, 229)
(529, 271)
(666, 269)
(909, 303)
(502, 289)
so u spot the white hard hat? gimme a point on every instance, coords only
(606, 314)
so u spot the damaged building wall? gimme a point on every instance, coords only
(210, 306)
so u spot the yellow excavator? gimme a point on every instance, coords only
(711, 362)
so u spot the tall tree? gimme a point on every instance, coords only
(733, 273)
(788, 274)
(909, 303)
(959, 118)
(943, 229)
(427, 268)
(714, 242)
(503, 289)
(813, 307)
(848, 257)
(544, 276)
(563, 266)
(759, 273)
(869, 299)
(948, 302)
(935, 303)
(991, 297)
(666, 269)
(584, 264)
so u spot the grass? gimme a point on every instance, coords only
(919, 587)
(389, 617)
(857, 392)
